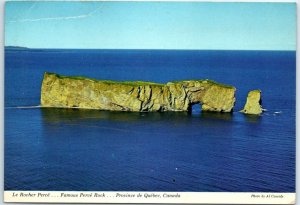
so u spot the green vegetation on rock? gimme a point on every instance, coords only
(133, 83)
(138, 96)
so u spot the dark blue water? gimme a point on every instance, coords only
(68, 149)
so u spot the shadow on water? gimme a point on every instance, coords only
(216, 116)
(56, 115)
(252, 118)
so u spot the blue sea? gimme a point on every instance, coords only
(72, 149)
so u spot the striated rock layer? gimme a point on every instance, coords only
(253, 103)
(138, 96)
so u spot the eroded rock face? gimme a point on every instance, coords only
(78, 92)
(253, 104)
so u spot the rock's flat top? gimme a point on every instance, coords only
(136, 83)
(139, 96)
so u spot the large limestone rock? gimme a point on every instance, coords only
(79, 92)
(253, 104)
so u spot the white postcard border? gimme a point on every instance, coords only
(149, 197)
(198, 197)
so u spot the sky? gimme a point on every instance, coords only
(151, 25)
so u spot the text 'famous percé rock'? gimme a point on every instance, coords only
(138, 96)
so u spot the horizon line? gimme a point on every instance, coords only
(167, 49)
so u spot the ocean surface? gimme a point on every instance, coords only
(71, 149)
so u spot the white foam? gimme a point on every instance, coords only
(24, 107)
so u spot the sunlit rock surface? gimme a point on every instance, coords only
(138, 96)
(253, 103)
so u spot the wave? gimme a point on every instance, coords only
(24, 107)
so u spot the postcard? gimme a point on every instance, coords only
(150, 102)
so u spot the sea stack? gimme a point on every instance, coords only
(253, 103)
(137, 96)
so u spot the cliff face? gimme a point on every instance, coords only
(62, 91)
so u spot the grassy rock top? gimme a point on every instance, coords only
(132, 83)
(140, 83)
(206, 81)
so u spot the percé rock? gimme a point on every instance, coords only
(253, 103)
(138, 96)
